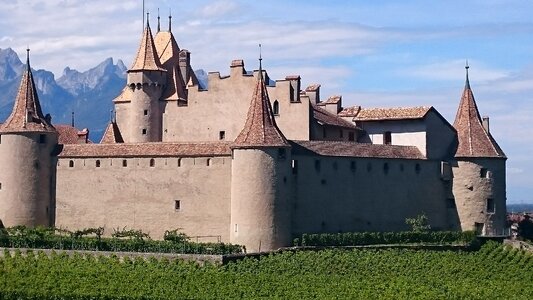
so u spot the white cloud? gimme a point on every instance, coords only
(219, 9)
(454, 69)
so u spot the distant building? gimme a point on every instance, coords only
(250, 160)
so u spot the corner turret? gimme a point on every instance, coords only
(28, 159)
(479, 171)
(261, 179)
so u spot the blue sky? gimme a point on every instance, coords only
(374, 53)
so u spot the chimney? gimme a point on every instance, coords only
(313, 91)
(83, 136)
(486, 124)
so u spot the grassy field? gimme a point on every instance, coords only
(494, 272)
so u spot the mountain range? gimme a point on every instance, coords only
(88, 94)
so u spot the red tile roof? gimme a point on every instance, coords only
(27, 115)
(351, 111)
(325, 117)
(312, 87)
(71, 135)
(474, 140)
(260, 129)
(351, 149)
(331, 100)
(395, 113)
(112, 134)
(147, 150)
(147, 58)
(168, 52)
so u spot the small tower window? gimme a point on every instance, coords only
(0, 186)
(353, 166)
(208, 162)
(294, 166)
(145, 112)
(282, 153)
(417, 168)
(351, 136)
(387, 138)
(152, 162)
(275, 108)
(42, 138)
(222, 135)
(484, 173)
(0, 139)
(98, 163)
(368, 167)
(341, 133)
(490, 206)
(124, 163)
(71, 164)
(179, 162)
(386, 168)
(144, 131)
(177, 205)
(317, 165)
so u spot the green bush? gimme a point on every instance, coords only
(373, 238)
(121, 241)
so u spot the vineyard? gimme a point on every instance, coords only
(493, 272)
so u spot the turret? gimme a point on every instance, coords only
(479, 171)
(146, 80)
(260, 179)
(28, 159)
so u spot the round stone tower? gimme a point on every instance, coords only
(261, 180)
(28, 159)
(479, 171)
(146, 80)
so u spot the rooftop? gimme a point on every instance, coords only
(325, 117)
(351, 149)
(395, 113)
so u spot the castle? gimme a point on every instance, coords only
(247, 160)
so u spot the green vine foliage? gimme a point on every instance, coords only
(123, 240)
(493, 272)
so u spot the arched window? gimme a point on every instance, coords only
(208, 162)
(71, 164)
(98, 164)
(179, 162)
(152, 162)
(124, 163)
(275, 108)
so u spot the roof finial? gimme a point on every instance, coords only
(111, 116)
(147, 19)
(143, 17)
(158, 21)
(28, 58)
(260, 64)
(467, 84)
(72, 120)
(170, 20)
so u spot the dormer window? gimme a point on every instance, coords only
(42, 138)
(387, 138)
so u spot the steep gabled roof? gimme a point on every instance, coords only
(71, 135)
(27, 115)
(147, 58)
(168, 52)
(474, 140)
(112, 134)
(393, 113)
(351, 111)
(325, 117)
(260, 129)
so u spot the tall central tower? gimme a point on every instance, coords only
(146, 82)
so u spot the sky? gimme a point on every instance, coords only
(374, 53)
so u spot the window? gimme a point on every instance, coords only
(179, 162)
(275, 108)
(282, 153)
(144, 131)
(386, 168)
(0, 185)
(177, 204)
(145, 112)
(387, 138)
(222, 135)
(236, 228)
(152, 162)
(341, 133)
(450, 203)
(317, 165)
(335, 166)
(0, 139)
(351, 136)
(490, 206)
(484, 173)
(417, 168)
(124, 163)
(353, 166)
(208, 162)
(71, 164)
(98, 164)
(42, 138)
(368, 167)
(294, 166)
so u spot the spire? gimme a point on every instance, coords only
(158, 21)
(260, 129)
(169, 20)
(27, 114)
(147, 58)
(474, 140)
(72, 120)
(112, 134)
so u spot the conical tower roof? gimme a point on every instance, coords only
(147, 58)
(168, 52)
(260, 129)
(112, 134)
(27, 115)
(474, 140)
